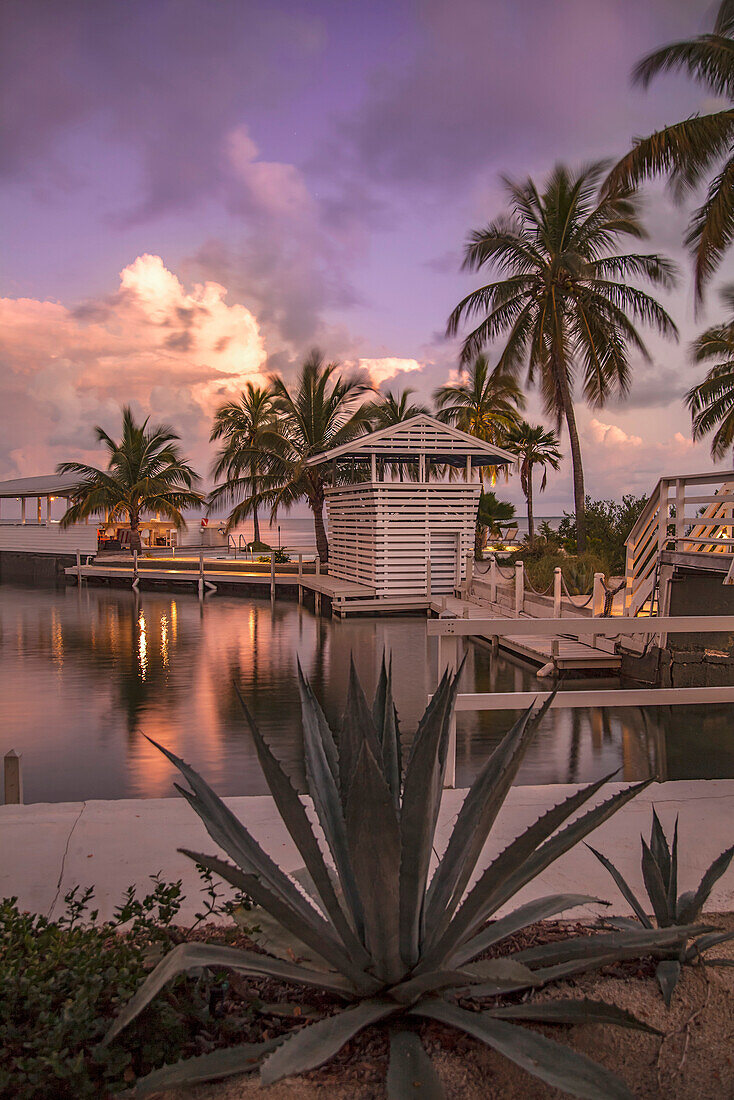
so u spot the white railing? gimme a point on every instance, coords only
(669, 521)
(448, 631)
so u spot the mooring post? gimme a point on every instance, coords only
(519, 587)
(272, 574)
(492, 579)
(598, 595)
(557, 597)
(13, 779)
(201, 574)
(79, 568)
(318, 566)
(300, 567)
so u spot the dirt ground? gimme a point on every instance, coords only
(693, 1061)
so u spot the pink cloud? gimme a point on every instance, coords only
(388, 367)
(171, 351)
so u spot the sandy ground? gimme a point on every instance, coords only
(694, 1060)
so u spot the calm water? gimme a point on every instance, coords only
(83, 672)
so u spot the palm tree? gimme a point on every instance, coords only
(712, 401)
(491, 515)
(484, 405)
(534, 446)
(564, 303)
(245, 426)
(145, 474)
(390, 408)
(321, 410)
(700, 145)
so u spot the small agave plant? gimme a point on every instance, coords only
(660, 875)
(396, 944)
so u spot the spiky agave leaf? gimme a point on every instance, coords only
(410, 1071)
(690, 905)
(624, 888)
(219, 1064)
(385, 717)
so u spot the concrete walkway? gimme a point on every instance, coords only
(47, 848)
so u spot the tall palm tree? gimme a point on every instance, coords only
(700, 146)
(563, 303)
(391, 408)
(321, 410)
(712, 401)
(245, 426)
(485, 404)
(534, 446)
(145, 473)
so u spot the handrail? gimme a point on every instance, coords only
(231, 544)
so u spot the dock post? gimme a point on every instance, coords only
(79, 568)
(272, 574)
(557, 579)
(300, 567)
(598, 595)
(201, 574)
(493, 579)
(136, 578)
(318, 566)
(13, 779)
(519, 587)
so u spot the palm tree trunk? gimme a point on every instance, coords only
(531, 528)
(316, 501)
(579, 497)
(255, 524)
(135, 540)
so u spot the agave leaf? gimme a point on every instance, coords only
(667, 973)
(623, 922)
(270, 935)
(624, 888)
(532, 911)
(373, 833)
(578, 947)
(231, 835)
(316, 1043)
(552, 1063)
(673, 880)
(410, 1071)
(385, 719)
(689, 910)
(523, 860)
(324, 790)
(720, 962)
(296, 821)
(659, 848)
(357, 727)
(703, 943)
(656, 887)
(310, 929)
(502, 973)
(422, 790)
(192, 956)
(583, 1011)
(476, 818)
(321, 730)
(207, 1067)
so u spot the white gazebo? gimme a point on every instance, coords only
(406, 537)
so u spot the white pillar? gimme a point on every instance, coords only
(493, 579)
(48, 511)
(38, 511)
(598, 595)
(373, 467)
(519, 587)
(557, 596)
(22, 509)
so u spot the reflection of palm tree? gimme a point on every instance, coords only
(145, 473)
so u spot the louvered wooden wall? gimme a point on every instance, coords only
(385, 534)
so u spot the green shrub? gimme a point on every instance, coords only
(62, 982)
(578, 569)
(608, 523)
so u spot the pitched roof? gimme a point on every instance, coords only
(49, 485)
(421, 434)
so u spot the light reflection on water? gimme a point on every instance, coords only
(83, 672)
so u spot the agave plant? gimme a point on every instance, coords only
(660, 875)
(393, 943)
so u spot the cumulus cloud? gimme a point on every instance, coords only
(172, 351)
(388, 367)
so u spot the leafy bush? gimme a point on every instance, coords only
(578, 569)
(608, 523)
(660, 875)
(393, 945)
(63, 982)
(281, 558)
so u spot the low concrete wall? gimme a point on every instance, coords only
(31, 568)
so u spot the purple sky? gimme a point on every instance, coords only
(195, 191)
